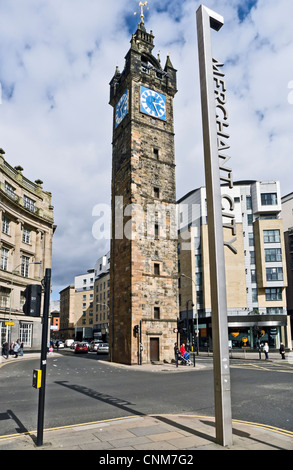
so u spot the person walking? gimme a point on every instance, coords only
(282, 350)
(5, 349)
(21, 348)
(266, 350)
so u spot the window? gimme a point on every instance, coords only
(273, 293)
(253, 275)
(271, 236)
(28, 203)
(275, 310)
(251, 239)
(26, 235)
(252, 257)
(5, 225)
(198, 279)
(4, 297)
(249, 219)
(156, 230)
(156, 153)
(4, 259)
(157, 193)
(248, 202)
(25, 266)
(273, 254)
(156, 268)
(254, 295)
(9, 190)
(274, 274)
(269, 199)
(25, 333)
(157, 313)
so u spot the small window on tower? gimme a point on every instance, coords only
(157, 313)
(157, 193)
(156, 153)
(156, 230)
(157, 269)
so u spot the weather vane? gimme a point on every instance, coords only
(142, 5)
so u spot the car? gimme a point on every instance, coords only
(103, 348)
(81, 348)
(94, 344)
(68, 342)
(72, 346)
(60, 345)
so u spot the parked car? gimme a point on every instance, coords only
(68, 342)
(94, 344)
(103, 348)
(81, 348)
(60, 345)
(74, 344)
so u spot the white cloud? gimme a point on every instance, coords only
(56, 61)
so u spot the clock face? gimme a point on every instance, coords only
(152, 103)
(121, 108)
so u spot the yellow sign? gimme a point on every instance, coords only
(11, 323)
(235, 334)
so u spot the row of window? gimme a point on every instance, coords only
(28, 203)
(25, 262)
(26, 233)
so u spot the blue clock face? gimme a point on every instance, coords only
(152, 103)
(121, 108)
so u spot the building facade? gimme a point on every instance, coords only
(76, 308)
(102, 298)
(27, 227)
(143, 285)
(256, 276)
(287, 216)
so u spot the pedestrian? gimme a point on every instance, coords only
(57, 345)
(21, 348)
(282, 350)
(16, 349)
(176, 351)
(266, 350)
(182, 349)
(5, 349)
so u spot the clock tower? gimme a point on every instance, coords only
(143, 276)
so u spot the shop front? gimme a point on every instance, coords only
(249, 332)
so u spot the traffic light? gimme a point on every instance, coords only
(136, 329)
(32, 305)
(182, 325)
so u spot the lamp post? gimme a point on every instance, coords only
(196, 311)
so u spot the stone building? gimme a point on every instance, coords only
(27, 227)
(256, 277)
(143, 283)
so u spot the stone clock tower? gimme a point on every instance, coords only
(143, 277)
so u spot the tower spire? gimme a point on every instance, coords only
(142, 5)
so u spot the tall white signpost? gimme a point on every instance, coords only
(214, 120)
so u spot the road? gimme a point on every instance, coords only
(85, 388)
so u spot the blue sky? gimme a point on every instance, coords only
(56, 61)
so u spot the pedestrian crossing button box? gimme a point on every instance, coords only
(37, 378)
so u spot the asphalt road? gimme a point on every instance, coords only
(84, 388)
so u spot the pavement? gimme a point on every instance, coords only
(172, 433)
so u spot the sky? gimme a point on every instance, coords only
(56, 61)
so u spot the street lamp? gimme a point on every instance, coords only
(196, 311)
